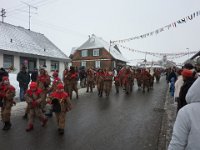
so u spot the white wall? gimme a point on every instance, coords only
(48, 64)
(16, 64)
(61, 69)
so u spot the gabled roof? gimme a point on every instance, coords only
(20, 40)
(97, 42)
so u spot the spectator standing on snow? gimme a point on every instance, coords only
(188, 79)
(23, 78)
(186, 133)
(34, 75)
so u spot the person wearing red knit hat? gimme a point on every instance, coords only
(188, 80)
(7, 93)
(61, 105)
(43, 81)
(56, 81)
(34, 98)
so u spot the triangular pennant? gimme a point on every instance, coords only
(161, 29)
(179, 21)
(157, 31)
(183, 20)
(194, 15)
(190, 17)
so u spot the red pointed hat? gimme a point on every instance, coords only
(5, 78)
(60, 86)
(33, 85)
(55, 73)
(187, 73)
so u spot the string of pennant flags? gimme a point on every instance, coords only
(171, 55)
(159, 30)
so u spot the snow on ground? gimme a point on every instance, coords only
(14, 82)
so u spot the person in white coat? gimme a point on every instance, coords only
(186, 132)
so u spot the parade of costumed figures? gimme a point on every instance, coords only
(34, 97)
(61, 105)
(90, 80)
(43, 82)
(73, 77)
(7, 94)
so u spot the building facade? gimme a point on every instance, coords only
(19, 46)
(97, 53)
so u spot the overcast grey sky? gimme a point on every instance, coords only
(67, 23)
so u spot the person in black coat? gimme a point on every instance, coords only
(172, 75)
(188, 78)
(34, 75)
(23, 78)
(3, 73)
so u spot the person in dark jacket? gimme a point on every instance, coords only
(172, 75)
(3, 73)
(23, 78)
(188, 78)
(34, 75)
(82, 76)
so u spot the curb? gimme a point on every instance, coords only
(168, 120)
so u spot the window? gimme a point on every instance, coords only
(95, 52)
(54, 65)
(42, 62)
(97, 64)
(84, 53)
(8, 61)
(83, 64)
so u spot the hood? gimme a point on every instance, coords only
(193, 94)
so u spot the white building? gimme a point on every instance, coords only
(20, 46)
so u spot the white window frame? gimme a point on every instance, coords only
(42, 62)
(54, 65)
(84, 53)
(83, 63)
(95, 52)
(10, 63)
(97, 64)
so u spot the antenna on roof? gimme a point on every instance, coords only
(29, 11)
(3, 12)
(110, 46)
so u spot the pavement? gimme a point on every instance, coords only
(118, 122)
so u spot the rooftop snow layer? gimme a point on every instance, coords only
(21, 40)
(97, 42)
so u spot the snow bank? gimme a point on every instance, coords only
(14, 82)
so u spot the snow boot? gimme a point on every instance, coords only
(44, 122)
(30, 127)
(7, 126)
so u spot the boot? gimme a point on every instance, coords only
(7, 125)
(4, 127)
(44, 122)
(25, 116)
(30, 127)
(61, 131)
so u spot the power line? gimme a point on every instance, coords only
(54, 27)
(38, 4)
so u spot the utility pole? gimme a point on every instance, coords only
(188, 52)
(3, 12)
(29, 12)
(110, 46)
(145, 60)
